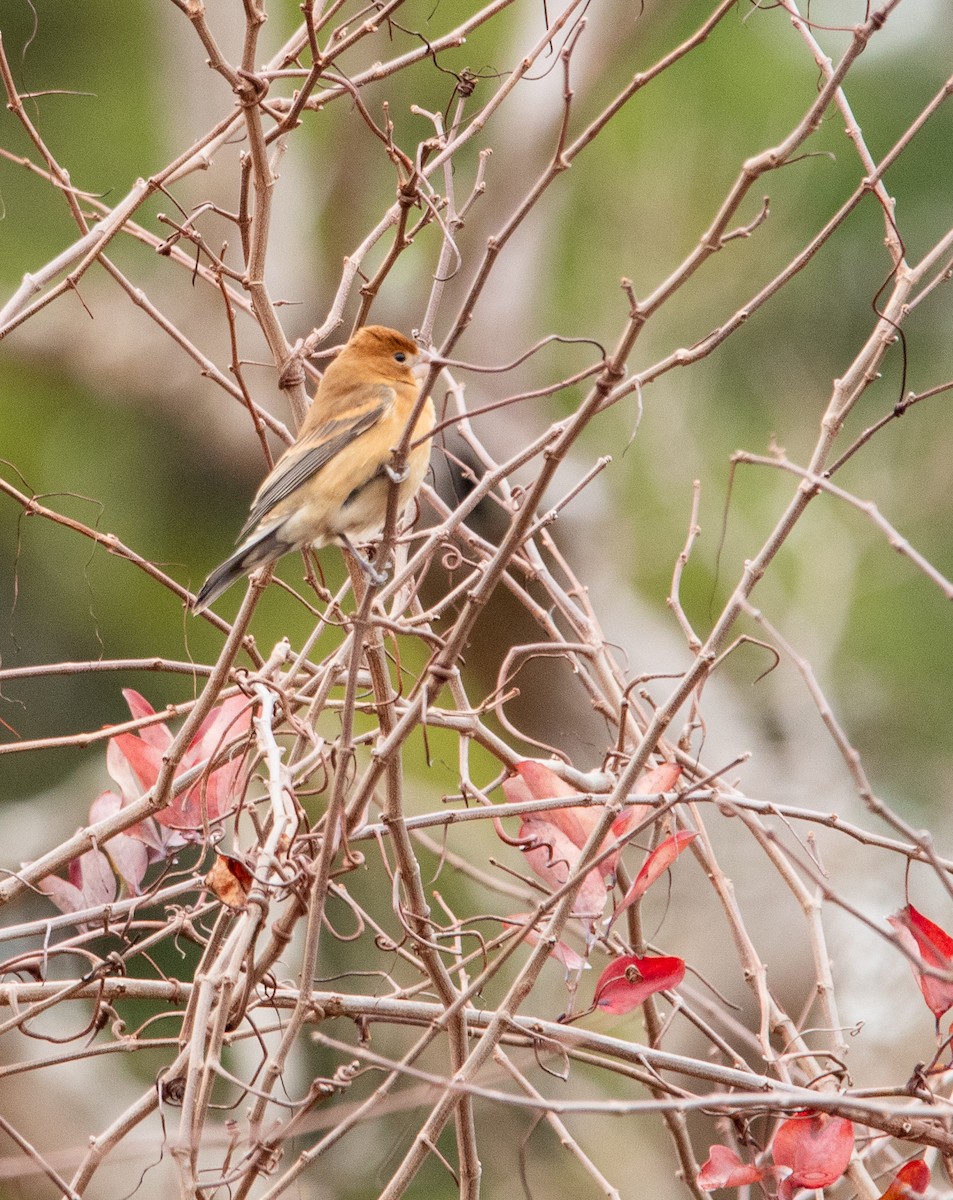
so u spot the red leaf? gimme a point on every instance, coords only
(814, 1147)
(657, 863)
(628, 981)
(211, 798)
(935, 947)
(912, 1179)
(725, 1169)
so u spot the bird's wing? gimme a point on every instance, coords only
(322, 444)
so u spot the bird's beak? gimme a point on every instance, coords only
(421, 368)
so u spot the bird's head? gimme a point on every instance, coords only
(384, 351)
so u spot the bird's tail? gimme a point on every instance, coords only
(258, 551)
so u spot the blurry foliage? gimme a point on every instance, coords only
(179, 502)
(141, 455)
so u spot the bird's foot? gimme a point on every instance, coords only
(395, 475)
(377, 577)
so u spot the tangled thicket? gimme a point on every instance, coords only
(351, 916)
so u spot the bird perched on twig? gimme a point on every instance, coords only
(332, 485)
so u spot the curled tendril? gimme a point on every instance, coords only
(451, 557)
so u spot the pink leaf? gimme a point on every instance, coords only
(106, 804)
(659, 779)
(212, 796)
(127, 753)
(91, 883)
(221, 789)
(66, 896)
(134, 762)
(571, 959)
(561, 829)
(209, 799)
(657, 863)
(139, 706)
(535, 781)
(125, 851)
(92, 872)
(561, 952)
(121, 772)
(548, 851)
(543, 782)
(576, 822)
(814, 1147)
(935, 947)
(553, 857)
(725, 1169)
(228, 720)
(129, 858)
(158, 735)
(628, 981)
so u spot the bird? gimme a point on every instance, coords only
(332, 485)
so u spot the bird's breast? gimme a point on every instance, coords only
(354, 486)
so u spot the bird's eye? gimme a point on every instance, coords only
(400, 356)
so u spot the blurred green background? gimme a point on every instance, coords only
(103, 412)
(108, 421)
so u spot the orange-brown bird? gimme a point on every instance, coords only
(332, 485)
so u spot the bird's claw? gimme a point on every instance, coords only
(378, 578)
(394, 474)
